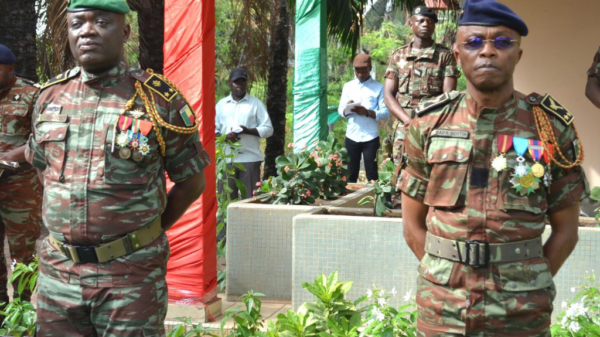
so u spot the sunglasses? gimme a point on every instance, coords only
(500, 43)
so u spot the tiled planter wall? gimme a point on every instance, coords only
(259, 246)
(372, 251)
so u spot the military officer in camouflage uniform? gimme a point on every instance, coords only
(20, 190)
(417, 71)
(104, 134)
(592, 89)
(484, 169)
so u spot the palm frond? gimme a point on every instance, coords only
(344, 18)
(55, 55)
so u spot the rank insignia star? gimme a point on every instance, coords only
(159, 86)
(16, 98)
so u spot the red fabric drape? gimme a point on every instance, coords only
(189, 51)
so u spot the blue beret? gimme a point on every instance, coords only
(6, 55)
(491, 13)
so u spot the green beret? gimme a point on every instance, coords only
(116, 6)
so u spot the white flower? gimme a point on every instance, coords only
(381, 301)
(369, 293)
(571, 312)
(563, 322)
(394, 292)
(580, 309)
(13, 265)
(378, 314)
(382, 292)
(407, 296)
(564, 304)
(572, 289)
(574, 326)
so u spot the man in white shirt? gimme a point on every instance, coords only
(362, 133)
(244, 119)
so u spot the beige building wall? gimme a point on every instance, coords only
(563, 38)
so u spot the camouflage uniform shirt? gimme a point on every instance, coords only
(15, 117)
(420, 75)
(91, 195)
(448, 148)
(594, 70)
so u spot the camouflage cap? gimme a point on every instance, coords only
(116, 6)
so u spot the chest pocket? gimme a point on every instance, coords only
(51, 137)
(435, 81)
(403, 80)
(449, 161)
(15, 121)
(120, 171)
(511, 200)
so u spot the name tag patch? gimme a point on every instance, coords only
(53, 109)
(50, 117)
(440, 133)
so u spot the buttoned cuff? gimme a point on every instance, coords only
(412, 185)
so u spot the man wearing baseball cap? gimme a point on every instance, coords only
(362, 135)
(244, 119)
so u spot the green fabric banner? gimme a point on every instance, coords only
(310, 74)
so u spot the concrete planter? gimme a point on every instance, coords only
(259, 246)
(372, 251)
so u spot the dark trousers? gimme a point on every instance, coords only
(249, 178)
(368, 150)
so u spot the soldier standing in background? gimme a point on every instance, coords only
(484, 170)
(592, 89)
(20, 190)
(104, 135)
(417, 71)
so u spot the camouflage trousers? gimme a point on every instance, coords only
(20, 220)
(71, 310)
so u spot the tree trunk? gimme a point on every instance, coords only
(277, 85)
(151, 21)
(18, 21)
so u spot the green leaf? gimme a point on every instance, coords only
(595, 195)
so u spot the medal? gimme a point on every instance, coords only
(525, 184)
(527, 181)
(521, 145)
(125, 153)
(504, 144)
(144, 149)
(122, 140)
(536, 151)
(137, 156)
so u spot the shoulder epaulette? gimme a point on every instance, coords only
(436, 102)
(26, 81)
(401, 47)
(59, 79)
(157, 83)
(551, 106)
